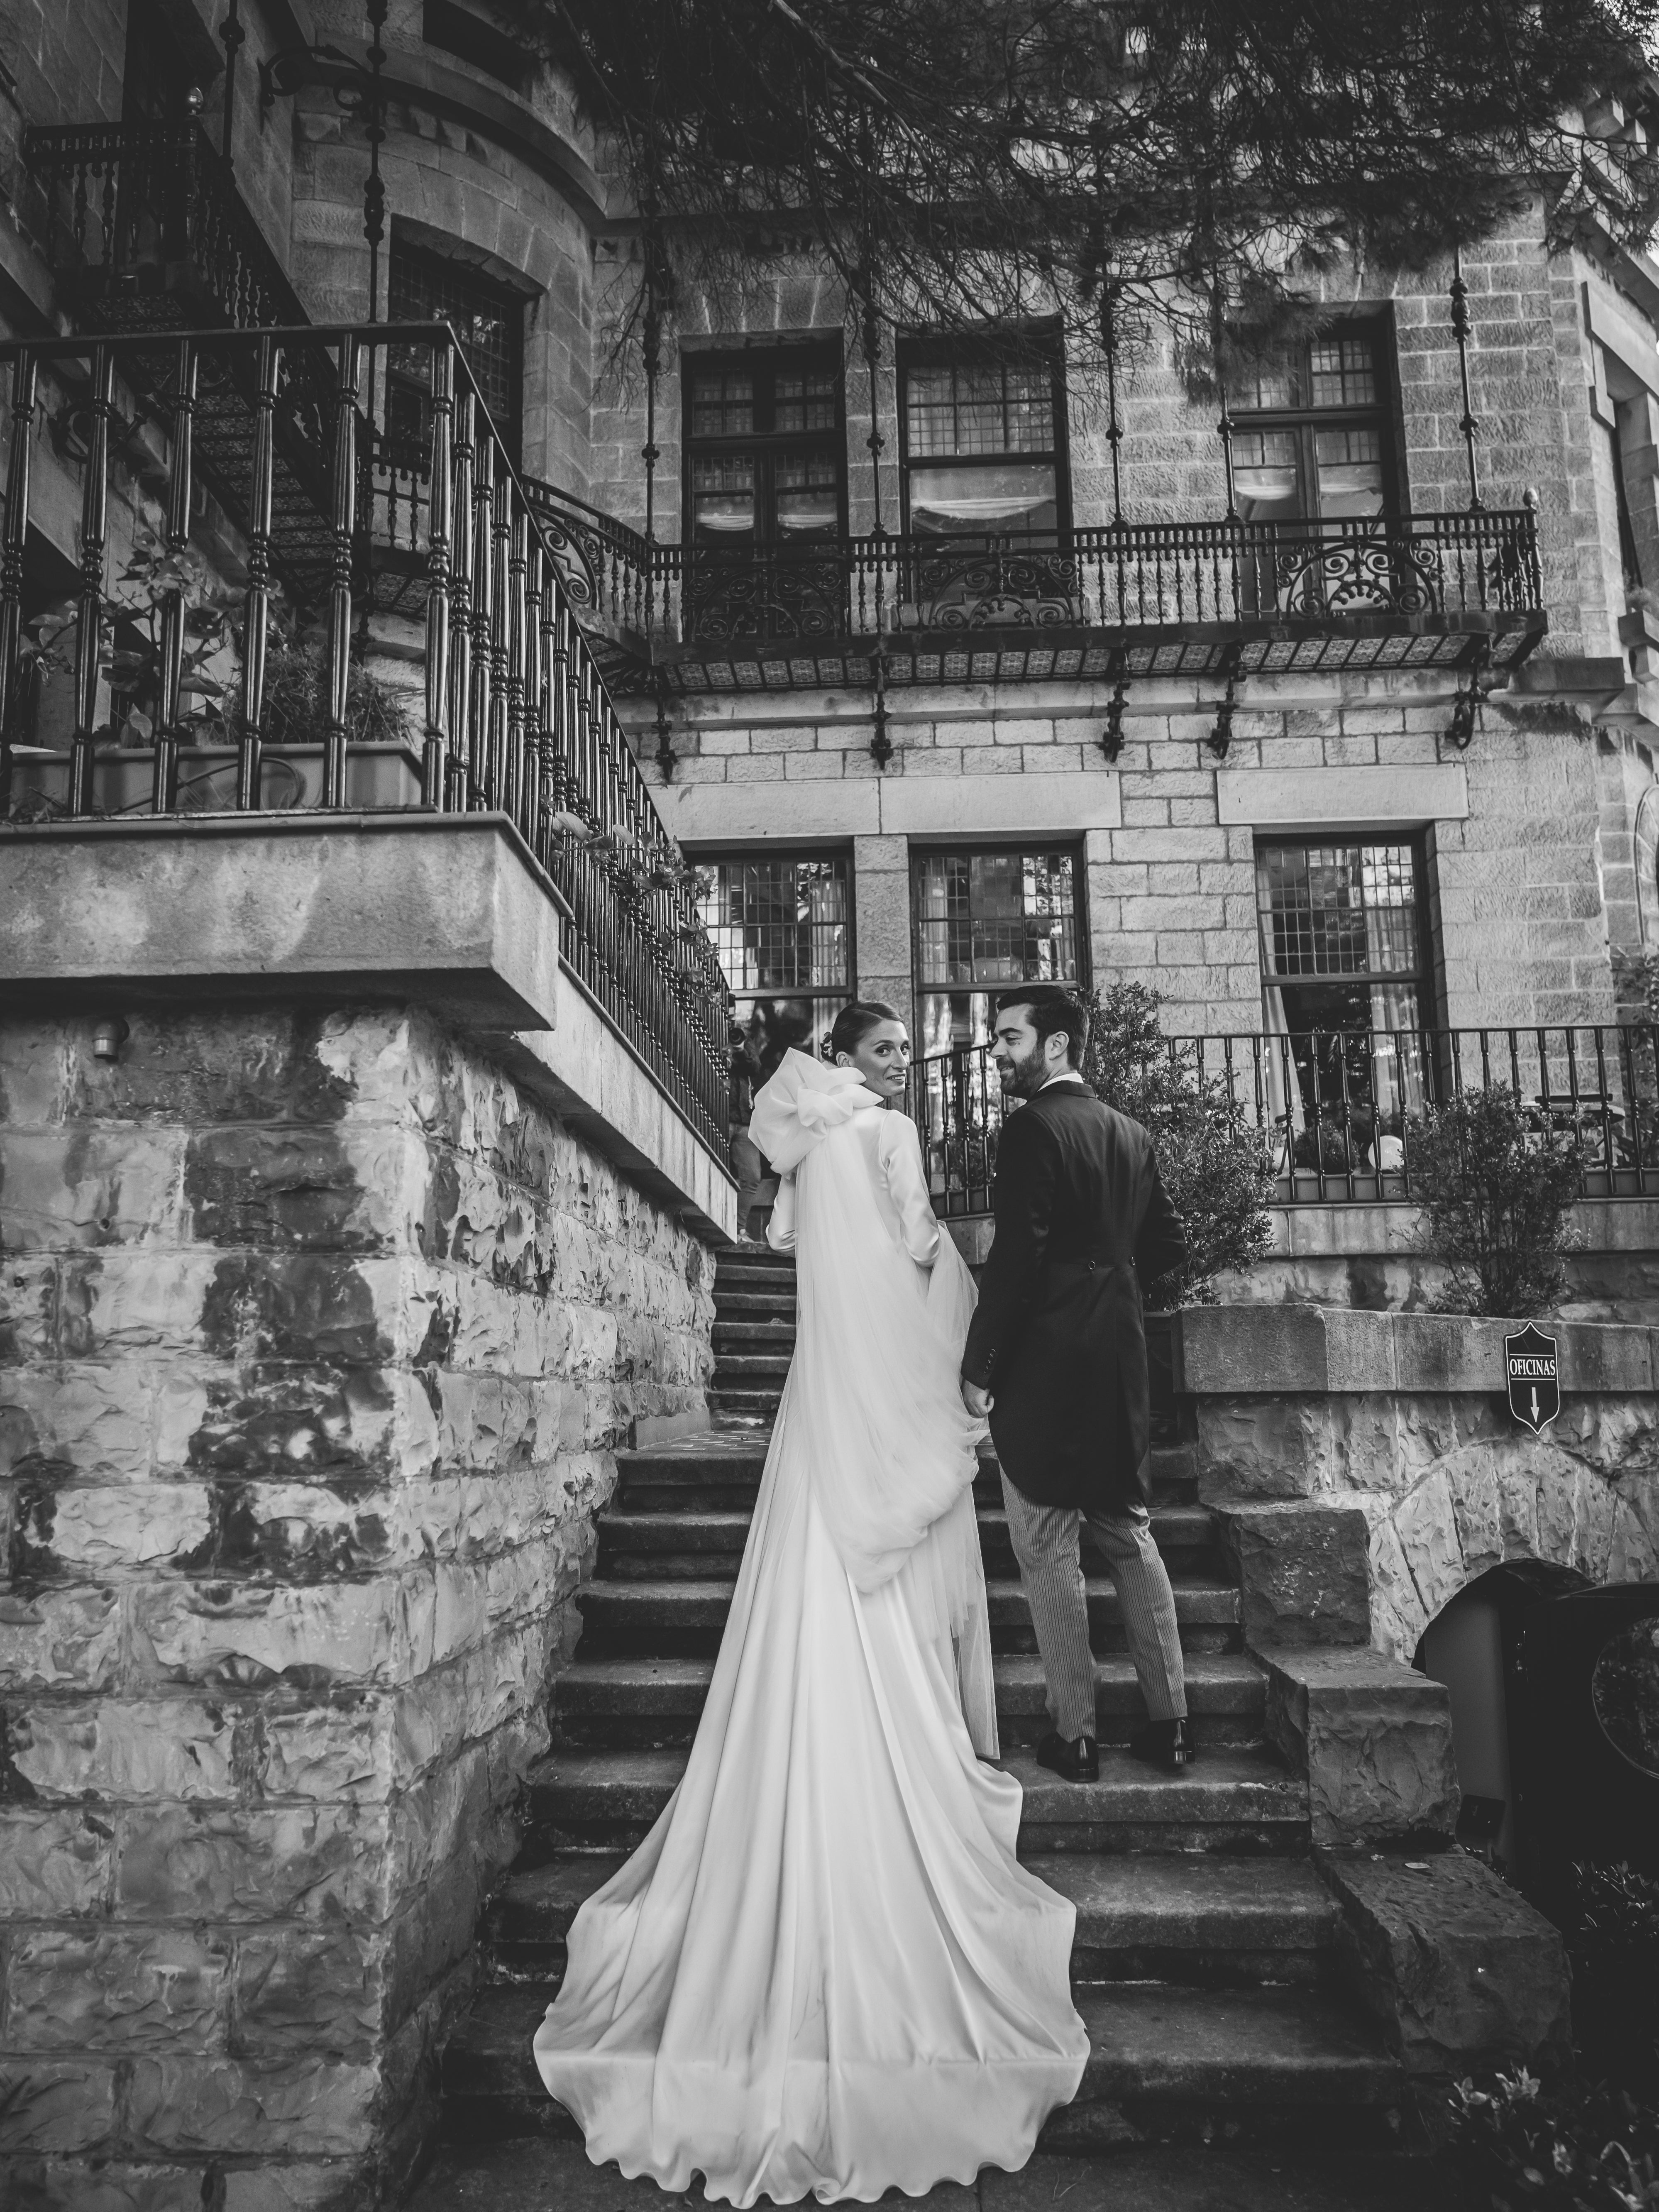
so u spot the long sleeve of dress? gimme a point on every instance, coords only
(780, 1224)
(907, 1186)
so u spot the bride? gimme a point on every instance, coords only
(824, 1973)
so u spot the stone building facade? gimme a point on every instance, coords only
(1520, 847)
(333, 1286)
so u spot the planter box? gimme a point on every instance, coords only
(376, 776)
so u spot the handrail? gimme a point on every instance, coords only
(1323, 573)
(517, 714)
(1334, 1107)
(168, 196)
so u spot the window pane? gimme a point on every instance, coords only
(1350, 466)
(1334, 910)
(723, 403)
(993, 919)
(1343, 373)
(427, 288)
(723, 498)
(1259, 385)
(980, 407)
(780, 925)
(807, 501)
(1018, 497)
(805, 402)
(1265, 475)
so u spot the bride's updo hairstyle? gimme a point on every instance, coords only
(854, 1022)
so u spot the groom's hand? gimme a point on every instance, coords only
(977, 1402)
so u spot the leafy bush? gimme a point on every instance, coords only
(1613, 1939)
(1495, 1183)
(1578, 2149)
(1214, 1162)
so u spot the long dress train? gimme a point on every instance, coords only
(824, 1972)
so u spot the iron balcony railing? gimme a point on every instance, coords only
(515, 716)
(1399, 568)
(142, 216)
(1334, 1108)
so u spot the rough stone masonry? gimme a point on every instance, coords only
(317, 1337)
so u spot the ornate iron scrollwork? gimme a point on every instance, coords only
(1393, 575)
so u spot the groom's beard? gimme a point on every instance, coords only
(1024, 1076)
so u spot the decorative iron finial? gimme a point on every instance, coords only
(881, 745)
(667, 758)
(1111, 738)
(1221, 737)
(1225, 426)
(1460, 330)
(1114, 426)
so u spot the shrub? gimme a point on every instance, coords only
(1577, 2149)
(1495, 1186)
(1215, 1165)
(1613, 1939)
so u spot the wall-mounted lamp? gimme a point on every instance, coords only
(108, 1037)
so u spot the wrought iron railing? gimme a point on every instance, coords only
(517, 718)
(605, 566)
(131, 206)
(1398, 569)
(1336, 1108)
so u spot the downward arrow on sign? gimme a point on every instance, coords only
(1534, 1407)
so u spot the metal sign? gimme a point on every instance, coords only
(1533, 1374)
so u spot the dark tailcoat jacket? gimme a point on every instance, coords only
(1082, 1220)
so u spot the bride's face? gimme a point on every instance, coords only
(881, 1057)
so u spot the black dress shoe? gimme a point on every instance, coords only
(1168, 1744)
(1073, 1762)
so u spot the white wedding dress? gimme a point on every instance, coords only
(823, 1972)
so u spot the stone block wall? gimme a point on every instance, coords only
(1519, 924)
(318, 1336)
(1401, 1418)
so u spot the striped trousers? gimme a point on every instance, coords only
(1045, 1540)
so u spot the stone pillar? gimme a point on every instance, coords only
(321, 1333)
(883, 937)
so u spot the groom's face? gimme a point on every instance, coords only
(1021, 1057)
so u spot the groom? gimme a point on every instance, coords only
(1056, 1355)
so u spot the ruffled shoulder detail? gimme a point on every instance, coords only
(801, 1103)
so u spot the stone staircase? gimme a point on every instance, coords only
(1204, 1962)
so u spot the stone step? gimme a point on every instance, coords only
(535, 2173)
(736, 1370)
(649, 1703)
(1234, 1799)
(755, 1304)
(681, 1543)
(1259, 2063)
(731, 1458)
(751, 1403)
(769, 1272)
(754, 1333)
(1206, 1921)
(677, 1618)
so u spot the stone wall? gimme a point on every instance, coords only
(319, 1335)
(1370, 1458)
(1519, 927)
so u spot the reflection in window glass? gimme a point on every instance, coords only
(1343, 975)
(1305, 461)
(781, 928)
(984, 921)
(723, 498)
